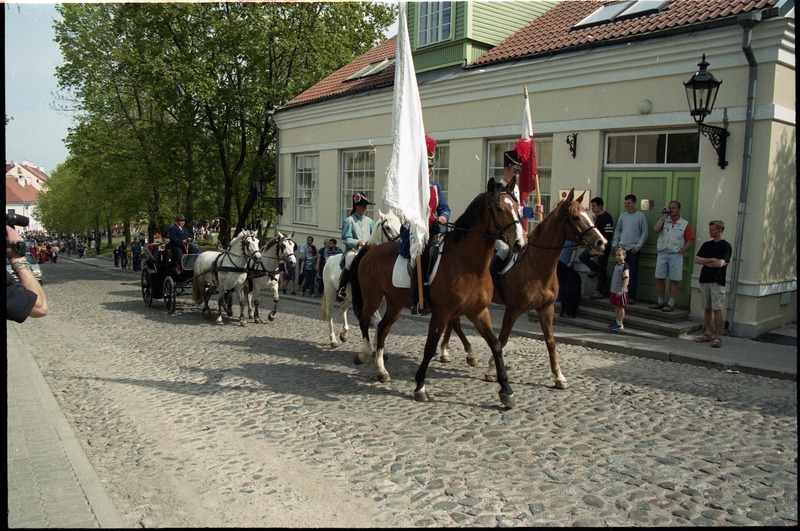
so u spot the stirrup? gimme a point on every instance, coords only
(341, 295)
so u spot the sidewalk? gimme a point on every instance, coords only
(51, 483)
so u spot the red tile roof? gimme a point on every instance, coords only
(18, 194)
(552, 31)
(335, 85)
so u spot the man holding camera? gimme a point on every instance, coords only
(675, 236)
(24, 298)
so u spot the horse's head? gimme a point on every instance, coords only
(285, 249)
(246, 243)
(504, 211)
(387, 229)
(582, 229)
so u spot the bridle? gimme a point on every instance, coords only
(386, 231)
(576, 232)
(500, 234)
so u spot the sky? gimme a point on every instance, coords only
(36, 133)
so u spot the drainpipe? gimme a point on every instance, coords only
(747, 21)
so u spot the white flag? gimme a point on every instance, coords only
(407, 191)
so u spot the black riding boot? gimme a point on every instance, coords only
(341, 295)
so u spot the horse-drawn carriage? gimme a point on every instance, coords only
(162, 279)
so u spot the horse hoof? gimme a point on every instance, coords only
(561, 385)
(445, 358)
(241, 323)
(343, 337)
(334, 344)
(383, 377)
(508, 400)
(422, 396)
(271, 316)
(490, 377)
(472, 362)
(357, 360)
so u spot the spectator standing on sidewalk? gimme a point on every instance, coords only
(675, 236)
(605, 224)
(136, 255)
(630, 234)
(116, 256)
(619, 289)
(714, 256)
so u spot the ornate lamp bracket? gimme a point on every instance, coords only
(719, 139)
(572, 142)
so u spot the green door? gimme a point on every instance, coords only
(654, 190)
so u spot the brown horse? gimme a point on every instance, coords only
(462, 285)
(531, 283)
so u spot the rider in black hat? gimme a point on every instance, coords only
(178, 236)
(356, 230)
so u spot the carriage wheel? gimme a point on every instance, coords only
(170, 294)
(147, 287)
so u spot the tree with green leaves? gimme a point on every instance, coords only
(180, 93)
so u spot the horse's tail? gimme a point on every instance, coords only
(324, 305)
(198, 280)
(355, 286)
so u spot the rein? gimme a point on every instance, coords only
(386, 233)
(578, 236)
(499, 235)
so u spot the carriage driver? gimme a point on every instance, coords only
(178, 236)
(356, 230)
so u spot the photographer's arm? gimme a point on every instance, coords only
(23, 271)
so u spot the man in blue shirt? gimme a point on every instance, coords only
(356, 230)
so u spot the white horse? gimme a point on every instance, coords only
(225, 271)
(387, 229)
(266, 276)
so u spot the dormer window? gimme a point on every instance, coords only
(621, 10)
(434, 23)
(372, 69)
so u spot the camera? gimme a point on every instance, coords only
(17, 220)
(665, 210)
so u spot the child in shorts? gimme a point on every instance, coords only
(619, 289)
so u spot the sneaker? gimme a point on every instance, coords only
(615, 327)
(284, 291)
(657, 306)
(667, 308)
(294, 293)
(597, 295)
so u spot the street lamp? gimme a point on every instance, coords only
(701, 94)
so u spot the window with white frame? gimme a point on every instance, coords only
(306, 188)
(544, 161)
(358, 175)
(441, 168)
(651, 148)
(434, 22)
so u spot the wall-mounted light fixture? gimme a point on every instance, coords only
(701, 94)
(572, 142)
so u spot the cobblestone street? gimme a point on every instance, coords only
(192, 424)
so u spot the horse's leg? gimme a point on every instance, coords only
(546, 322)
(368, 308)
(391, 315)
(346, 304)
(509, 318)
(220, 304)
(242, 304)
(483, 324)
(275, 298)
(472, 361)
(435, 329)
(444, 349)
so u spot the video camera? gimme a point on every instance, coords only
(17, 220)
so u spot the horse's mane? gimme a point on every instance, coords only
(466, 220)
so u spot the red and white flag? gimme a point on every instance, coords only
(526, 150)
(406, 190)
